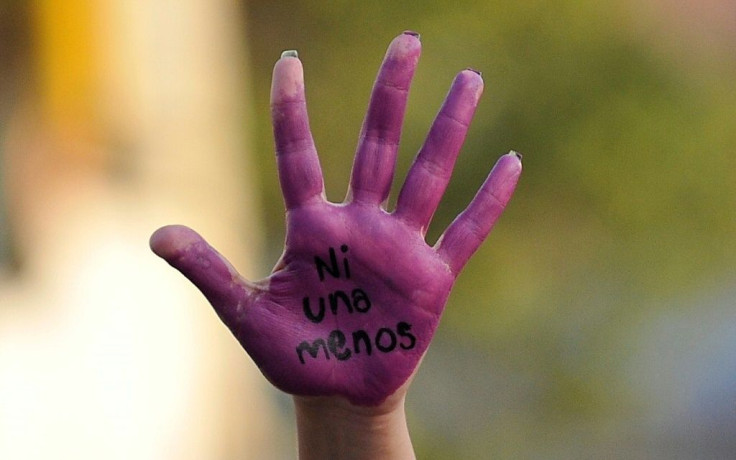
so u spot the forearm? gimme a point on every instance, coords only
(332, 428)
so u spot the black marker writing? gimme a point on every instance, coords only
(333, 269)
(385, 341)
(338, 300)
(312, 349)
(336, 344)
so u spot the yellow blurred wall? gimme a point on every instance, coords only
(136, 121)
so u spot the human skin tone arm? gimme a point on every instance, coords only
(333, 428)
(348, 312)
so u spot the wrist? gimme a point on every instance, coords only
(333, 428)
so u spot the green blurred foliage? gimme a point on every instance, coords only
(627, 196)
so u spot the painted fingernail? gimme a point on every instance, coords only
(412, 33)
(518, 155)
(290, 53)
(473, 70)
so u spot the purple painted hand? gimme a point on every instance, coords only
(352, 305)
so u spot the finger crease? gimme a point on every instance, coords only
(452, 118)
(474, 227)
(434, 168)
(391, 85)
(379, 140)
(287, 103)
(294, 146)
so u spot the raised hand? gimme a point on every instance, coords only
(353, 303)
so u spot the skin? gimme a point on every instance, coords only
(402, 283)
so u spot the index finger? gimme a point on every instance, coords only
(299, 171)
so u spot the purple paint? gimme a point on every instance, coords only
(299, 171)
(355, 299)
(429, 175)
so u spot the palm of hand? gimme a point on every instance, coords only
(366, 293)
(352, 305)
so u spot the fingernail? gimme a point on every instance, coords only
(518, 155)
(290, 53)
(412, 33)
(474, 71)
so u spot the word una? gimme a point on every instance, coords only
(357, 301)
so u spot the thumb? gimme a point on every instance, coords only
(213, 275)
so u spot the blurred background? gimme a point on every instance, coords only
(597, 321)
